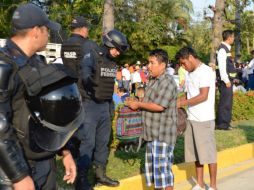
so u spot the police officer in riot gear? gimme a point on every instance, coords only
(97, 75)
(226, 74)
(40, 107)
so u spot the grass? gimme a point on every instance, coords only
(122, 165)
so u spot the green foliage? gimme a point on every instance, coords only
(7, 8)
(247, 30)
(199, 37)
(150, 24)
(243, 104)
(171, 50)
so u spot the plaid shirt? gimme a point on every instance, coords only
(161, 125)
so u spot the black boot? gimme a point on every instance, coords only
(101, 177)
(82, 182)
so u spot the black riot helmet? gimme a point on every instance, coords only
(56, 113)
(115, 39)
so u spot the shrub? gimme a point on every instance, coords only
(243, 106)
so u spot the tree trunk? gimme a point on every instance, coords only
(108, 16)
(253, 42)
(217, 28)
(248, 45)
(238, 28)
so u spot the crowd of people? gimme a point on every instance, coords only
(66, 109)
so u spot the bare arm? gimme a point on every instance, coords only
(201, 97)
(149, 106)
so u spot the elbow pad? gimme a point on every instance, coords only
(11, 155)
(5, 73)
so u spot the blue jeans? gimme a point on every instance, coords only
(120, 83)
(251, 82)
(126, 85)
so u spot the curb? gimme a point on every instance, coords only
(230, 161)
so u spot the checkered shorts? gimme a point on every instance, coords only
(159, 160)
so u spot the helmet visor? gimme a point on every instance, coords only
(51, 139)
(119, 46)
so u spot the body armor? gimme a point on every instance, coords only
(104, 77)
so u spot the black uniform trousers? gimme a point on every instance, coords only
(224, 113)
(94, 134)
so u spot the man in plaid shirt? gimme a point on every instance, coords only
(159, 116)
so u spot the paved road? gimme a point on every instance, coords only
(240, 181)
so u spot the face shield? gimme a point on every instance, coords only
(56, 114)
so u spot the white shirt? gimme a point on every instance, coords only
(202, 77)
(126, 75)
(171, 71)
(245, 72)
(135, 77)
(238, 88)
(250, 67)
(222, 63)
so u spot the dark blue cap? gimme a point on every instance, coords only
(29, 15)
(79, 22)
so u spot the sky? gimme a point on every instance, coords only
(199, 6)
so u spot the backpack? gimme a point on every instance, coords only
(181, 121)
(129, 129)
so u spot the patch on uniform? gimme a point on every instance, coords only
(70, 55)
(16, 15)
(88, 55)
(108, 72)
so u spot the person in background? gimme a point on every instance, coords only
(181, 73)
(226, 73)
(119, 77)
(135, 79)
(140, 93)
(144, 76)
(120, 96)
(250, 67)
(126, 77)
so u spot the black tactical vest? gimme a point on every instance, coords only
(72, 54)
(30, 78)
(104, 77)
(230, 67)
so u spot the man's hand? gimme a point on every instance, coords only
(132, 104)
(26, 183)
(70, 167)
(179, 103)
(228, 85)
